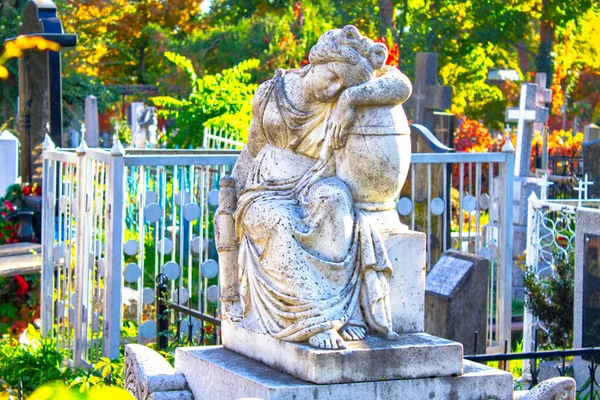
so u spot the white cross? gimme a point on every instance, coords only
(527, 112)
(582, 189)
(544, 183)
(83, 131)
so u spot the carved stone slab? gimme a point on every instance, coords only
(216, 373)
(414, 355)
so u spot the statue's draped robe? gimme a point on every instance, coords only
(308, 260)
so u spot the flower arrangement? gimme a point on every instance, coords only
(12, 201)
(8, 228)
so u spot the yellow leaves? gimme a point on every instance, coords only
(59, 391)
(15, 48)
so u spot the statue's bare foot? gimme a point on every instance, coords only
(353, 332)
(328, 339)
(391, 335)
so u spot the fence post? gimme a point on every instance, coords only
(506, 265)
(82, 259)
(115, 218)
(47, 240)
(162, 312)
(531, 260)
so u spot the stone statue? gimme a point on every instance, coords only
(300, 220)
(146, 132)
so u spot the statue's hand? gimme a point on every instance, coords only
(340, 121)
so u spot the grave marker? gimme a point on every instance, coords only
(591, 165)
(427, 95)
(591, 133)
(591, 291)
(586, 315)
(9, 165)
(456, 299)
(135, 111)
(91, 121)
(526, 115)
(40, 87)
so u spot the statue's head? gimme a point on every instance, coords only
(347, 55)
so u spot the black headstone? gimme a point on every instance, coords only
(40, 85)
(456, 299)
(591, 291)
(591, 166)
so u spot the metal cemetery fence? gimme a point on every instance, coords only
(114, 219)
(550, 235)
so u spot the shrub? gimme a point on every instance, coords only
(551, 299)
(32, 361)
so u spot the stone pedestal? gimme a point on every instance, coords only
(217, 373)
(414, 355)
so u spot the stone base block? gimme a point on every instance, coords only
(414, 355)
(407, 251)
(217, 373)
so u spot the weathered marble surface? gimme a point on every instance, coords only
(413, 355)
(216, 373)
(302, 222)
(149, 376)
(560, 388)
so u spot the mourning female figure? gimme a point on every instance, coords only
(311, 264)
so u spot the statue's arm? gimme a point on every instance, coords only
(390, 87)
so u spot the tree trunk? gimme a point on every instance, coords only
(386, 16)
(543, 60)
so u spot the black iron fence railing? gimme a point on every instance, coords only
(192, 327)
(590, 354)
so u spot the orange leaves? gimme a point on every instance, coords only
(393, 52)
(15, 48)
(472, 136)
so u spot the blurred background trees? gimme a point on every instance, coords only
(124, 42)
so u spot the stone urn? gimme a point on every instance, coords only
(375, 161)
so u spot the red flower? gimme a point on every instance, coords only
(37, 190)
(18, 327)
(26, 190)
(4, 214)
(9, 205)
(22, 286)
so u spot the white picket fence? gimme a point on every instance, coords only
(113, 220)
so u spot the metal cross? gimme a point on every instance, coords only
(544, 183)
(582, 189)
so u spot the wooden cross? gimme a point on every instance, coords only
(525, 115)
(427, 95)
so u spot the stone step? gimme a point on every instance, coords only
(217, 373)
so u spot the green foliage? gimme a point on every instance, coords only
(220, 101)
(551, 299)
(105, 373)
(76, 87)
(34, 362)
